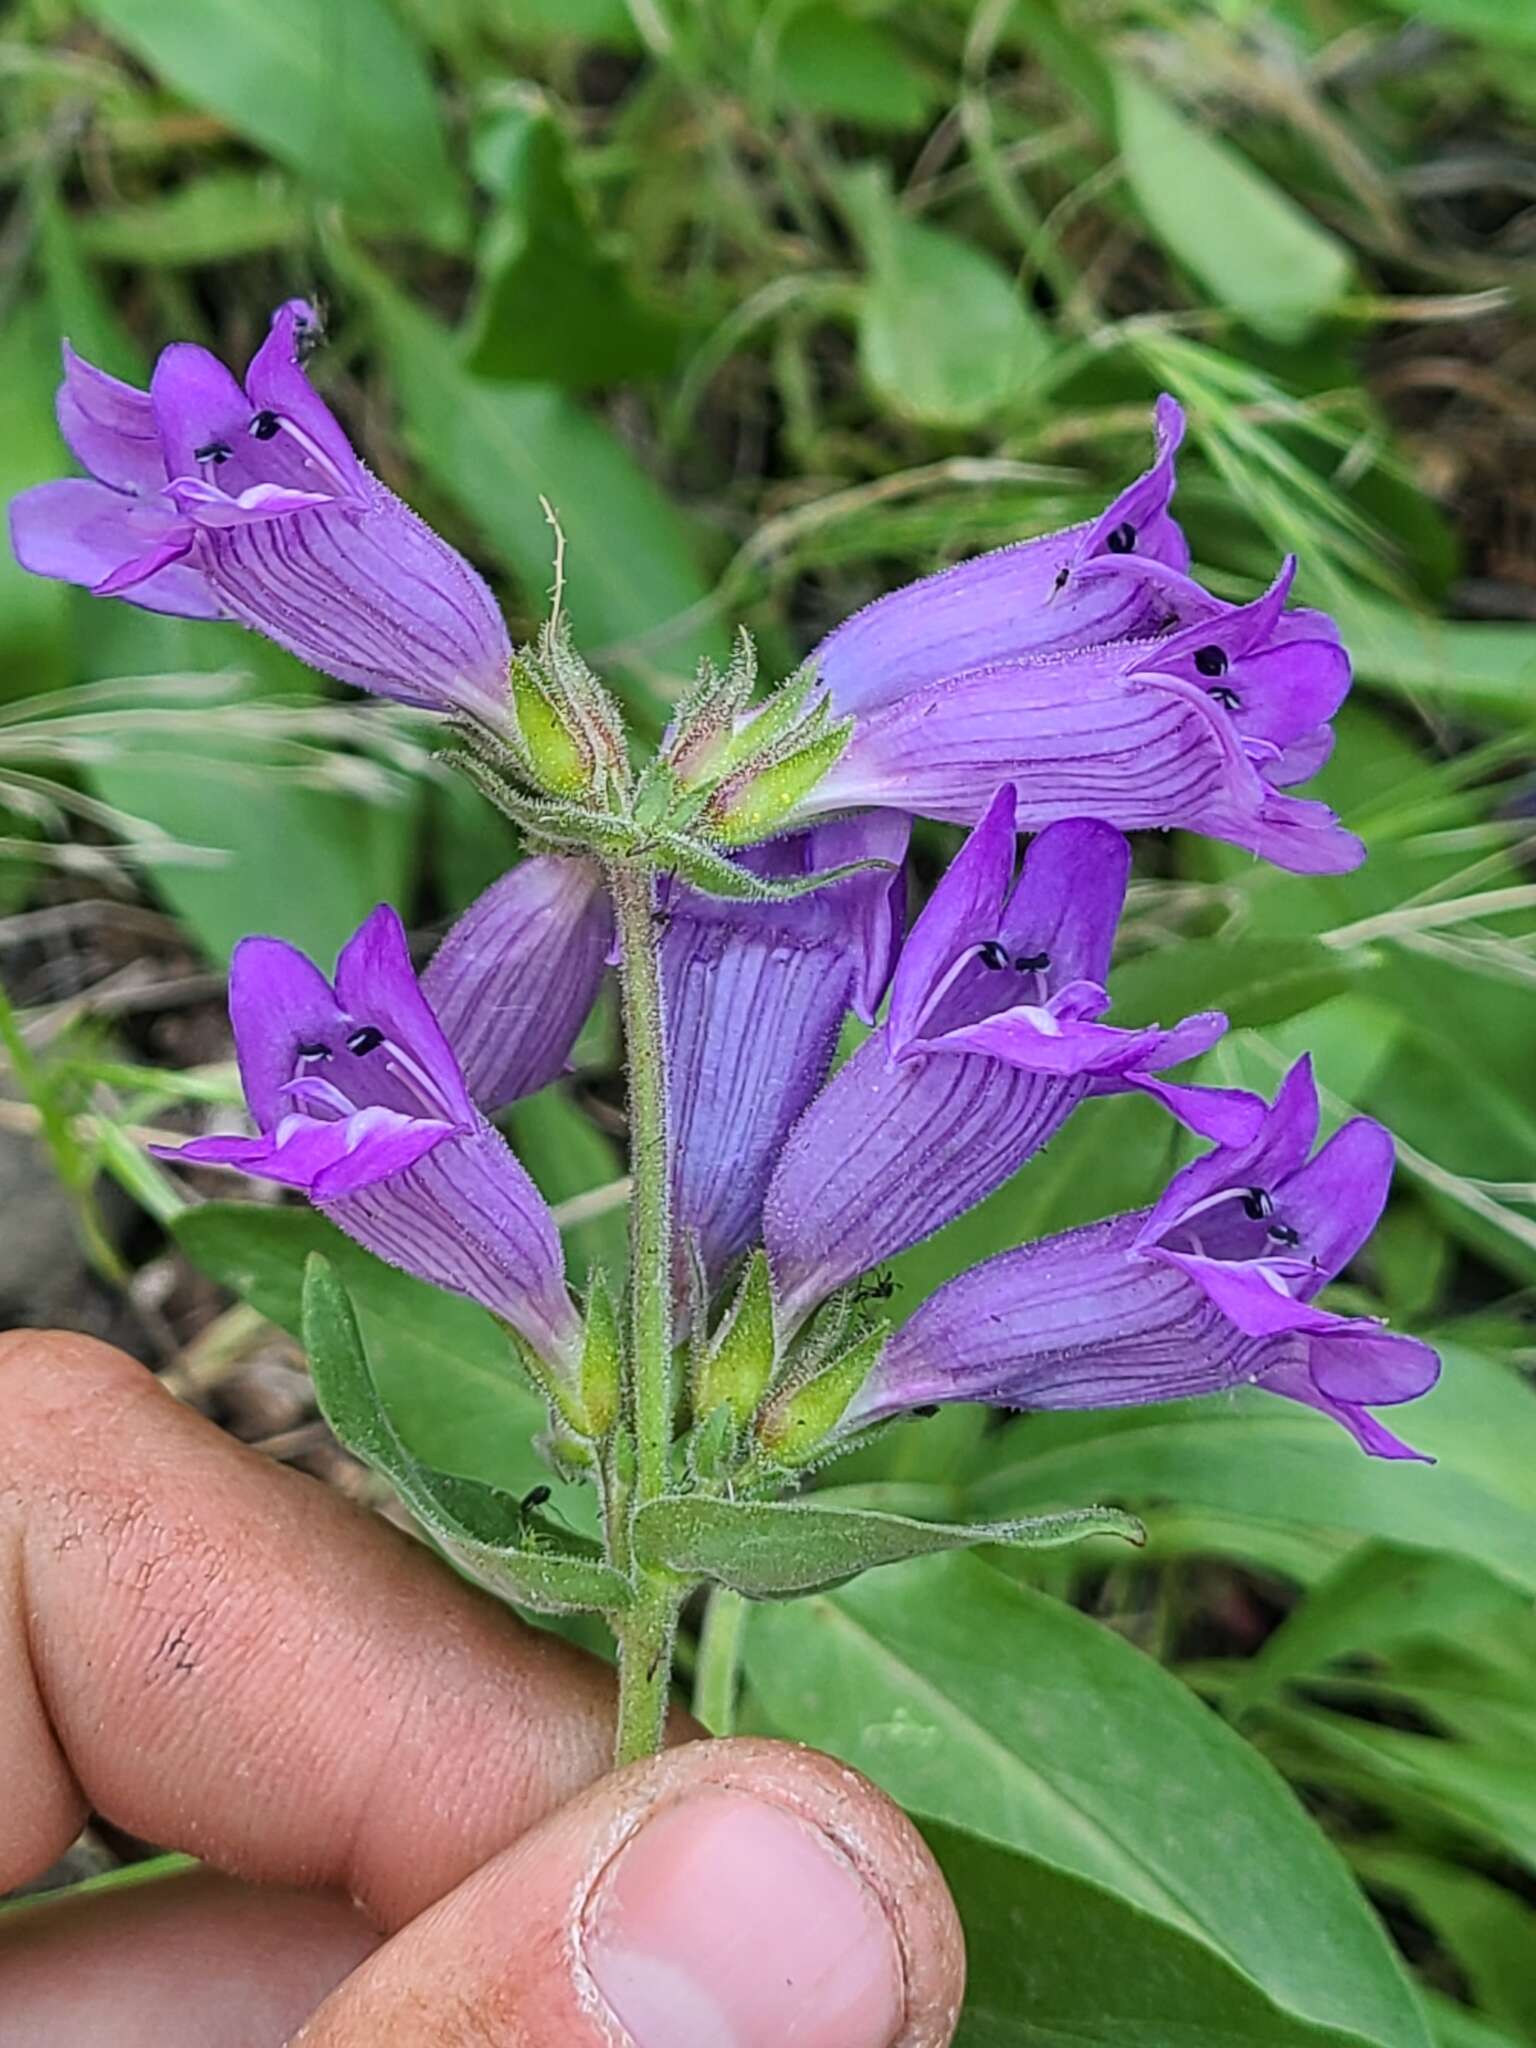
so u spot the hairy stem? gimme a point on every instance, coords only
(718, 1670)
(645, 1631)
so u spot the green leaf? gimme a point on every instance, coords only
(1247, 242)
(1255, 981)
(635, 595)
(209, 220)
(1469, 666)
(1487, 21)
(833, 64)
(987, 1707)
(482, 1528)
(770, 1549)
(34, 613)
(555, 306)
(945, 336)
(440, 1363)
(1285, 1484)
(334, 88)
(1038, 1938)
(287, 856)
(1489, 1930)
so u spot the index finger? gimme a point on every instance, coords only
(222, 1656)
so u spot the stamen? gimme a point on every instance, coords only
(1032, 963)
(1282, 1233)
(1229, 698)
(266, 425)
(212, 451)
(1257, 1204)
(1211, 661)
(1121, 540)
(991, 954)
(367, 1040)
(314, 1050)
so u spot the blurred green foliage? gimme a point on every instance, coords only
(777, 303)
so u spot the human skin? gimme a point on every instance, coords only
(397, 1790)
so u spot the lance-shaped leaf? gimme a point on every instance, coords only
(776, 1549)
(490, 1533)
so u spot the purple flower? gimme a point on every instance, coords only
(359, 1101)
(514, 980)
(1117, 577)
(992, 1040)
(1212, 1289)
(1202, 729)
(755, 996)
(214, 501)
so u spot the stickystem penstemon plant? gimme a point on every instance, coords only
(746, 882)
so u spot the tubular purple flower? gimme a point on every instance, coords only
(515, 979)
(1210, 1290)
(1117, 577)
(755, 996)
(991, 1041)
(1200, 730)
(211, 500)
(359, 1100)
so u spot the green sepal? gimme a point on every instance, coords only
(491, 1533)
(558, 755)
(756, 802)
(737, 1369)
(772, 723)
(712, 1446)
(602, 1360)
(794, 1424)
(773, 1550)
(717, 875)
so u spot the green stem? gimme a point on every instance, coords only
(645, 1631)
(718, 1669)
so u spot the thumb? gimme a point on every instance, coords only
(736, 1894)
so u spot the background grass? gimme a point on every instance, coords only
(778, 305)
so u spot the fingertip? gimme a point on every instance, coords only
(734, 1894)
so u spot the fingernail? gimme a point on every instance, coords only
(726, 1922)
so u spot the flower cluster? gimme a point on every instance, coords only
(1075, 687)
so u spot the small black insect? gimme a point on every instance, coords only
(992, 954)
(661, 919)
(1229, 698)
(369, 1039)
(880, 1288)
(212, 451)
(307, 337)
(1061, 579)
(1032, 963)
(265, 425)
(928, 1408)
(1121, 540)
(1258, 1203)
(314, 1050)
(1211, 661)
(1282, 1233)
(535, 1497)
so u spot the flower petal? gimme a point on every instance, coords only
(515, 979)
(889, 1152)
(110, 427)
(756, 994)
(376, 984)
(278, 1001)
(276, 382)
(1069, 1322)
(82, 532)
(1295, 1382)
(370, 594)
(1063, 589)
(197, 403)
(1333, 1202)
(467, 1217)
(1276, 1150)
(965, 909)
